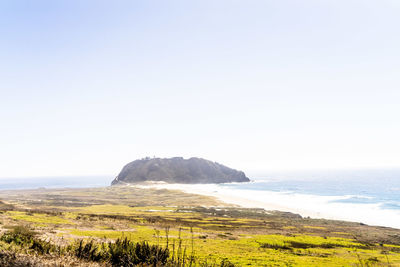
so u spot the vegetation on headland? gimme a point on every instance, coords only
(178, 170)
(89, 227)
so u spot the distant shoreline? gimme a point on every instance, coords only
(246, 202)
(307, 204)
(229, 199)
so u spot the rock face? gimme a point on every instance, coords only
(178, 170)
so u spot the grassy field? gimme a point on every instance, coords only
(200, 229)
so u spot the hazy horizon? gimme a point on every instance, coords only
(87, 87)
(293, 174)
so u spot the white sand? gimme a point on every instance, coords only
(312, 206)
(226, 197)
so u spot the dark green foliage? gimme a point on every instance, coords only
(127, 253)
(274, 246)
(44, 247)
(122, 252)
(289, 245)
(90, 251)
(227, 263)
(25, 237)
(18, 235)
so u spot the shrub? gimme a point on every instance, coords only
(227, 263)
(122, 252)
(18, 235)
(274, 246)
(25, 237)
(90, 251)
(127, 253)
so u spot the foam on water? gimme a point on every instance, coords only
(329, 207)
(366, 197)
(370, 197)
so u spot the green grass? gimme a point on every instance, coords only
(298, 250)
(139, 233)
(37, 218)
(247, 237)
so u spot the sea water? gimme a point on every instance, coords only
(54, 182)
(366, 196)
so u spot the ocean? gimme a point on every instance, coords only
(366, 196)
(55, 182)
(370, 197)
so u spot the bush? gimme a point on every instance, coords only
(122, 252)
(90, 251)
(25, 237)
(127, 253)
(18, 235)
(227, 263)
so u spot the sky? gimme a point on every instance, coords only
(88, 86)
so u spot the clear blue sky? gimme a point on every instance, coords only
(87, 86)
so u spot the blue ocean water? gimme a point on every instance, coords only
(367, 196)
(361, 186)
(55, 182)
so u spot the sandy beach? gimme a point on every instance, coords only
(226, 196)
(317, 207)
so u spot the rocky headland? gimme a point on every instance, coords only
(178, 170)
